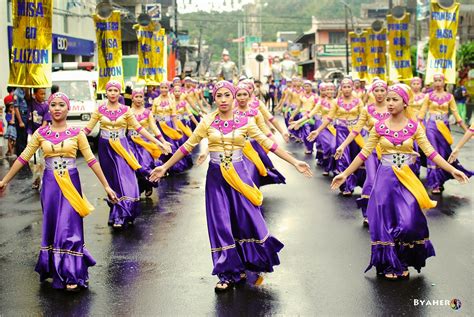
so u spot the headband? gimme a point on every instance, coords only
(308, 82)
(243, 86)
(439, 75)
(402, 90)
(415, 79)
(223, 84)
(61, 96)
(378, 84)
(347, 81)
(137, 91)
(113, 83)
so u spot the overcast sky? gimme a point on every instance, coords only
(187, 6)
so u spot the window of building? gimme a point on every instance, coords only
(86, 58)
(68, 58)
(337, 37)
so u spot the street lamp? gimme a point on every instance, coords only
(346, 7)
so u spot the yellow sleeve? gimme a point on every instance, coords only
(85, 148)
(265, 112)
(254, 132)
(370, 145)
(424, 108)
(93, 121)
(260, 121)
(423, 142)
(154, 105)
(315, 110)
(332, 111)
(198, 134)
(362, 122)
(132, 121)
(152, 124)
(31, 148)
(454, 109)
(173, 106)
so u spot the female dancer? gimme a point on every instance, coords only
(398, 228)
(184, 116)
(346, 110)
(294, 101)
(164, 111)
(114, 154)
(261, 168)
(419, 98)
(238, 234)
(370, 115)
(146, 153)
(63, 256)
(282, 104)
(437, 106)
(308, 101)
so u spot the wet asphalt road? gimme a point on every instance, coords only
(162, 265)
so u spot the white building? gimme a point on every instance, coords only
(73, 34)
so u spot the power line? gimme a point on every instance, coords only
(248, 22)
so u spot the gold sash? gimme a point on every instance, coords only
(120, 150)
(378, 149)
(253, 156)
(80, 203)
(169, 131)
(252, 193)
(444, 130)
(186, 130)
(151, 148)
(331, 129)
(358, 139)
(406, 176)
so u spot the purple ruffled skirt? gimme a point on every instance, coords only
(436, 176)
(147, 162)
(122, 179)
(398, 228)
(63, 256)
(371, 166)
(181, 165)
(327, 142)
(350, 153)
(273, 175)
(239, 237)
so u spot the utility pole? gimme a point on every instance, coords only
(175, 4)
(239, 36)
(347, 40)
(198, 62)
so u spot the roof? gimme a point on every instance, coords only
(302, 38)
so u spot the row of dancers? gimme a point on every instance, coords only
(135, 147)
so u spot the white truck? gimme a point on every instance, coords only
(79, 84)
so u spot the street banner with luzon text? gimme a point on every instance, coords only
(109, 49)
(358, 51)
(31, 51)
(376, 50)
(442, 47)
(150, 54)
(399, 56)
(161, 39)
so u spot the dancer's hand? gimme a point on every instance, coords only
(3, 185)
(112, 195)
(303, 168)
(157, 174)
(338, 181)
(453, 157)
(166, 147)
(201, 158)
(460, 176)
(339, 152)
(286, 137)
(293, 125)
(312, 136)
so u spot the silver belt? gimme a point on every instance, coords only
(218, 157)
(346, 123)
(132, 133)
(435, 117)
(60, 163)
(161, 118)
(116, 134)
(398, 159)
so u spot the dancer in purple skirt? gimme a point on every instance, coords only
(115, 158)
(437, 106)
(345, 112)
(371, 114)
(146, 153)
(63, 256)
(398, 229)
(465, 138)
(239, 237)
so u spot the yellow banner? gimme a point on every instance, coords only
(109, 49)
(358, 54)
(30, 63)
(150, 67)
(442, 51)
(162, 57)
(399, 56)
(376, 49)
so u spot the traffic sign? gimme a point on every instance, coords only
(154, 11)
